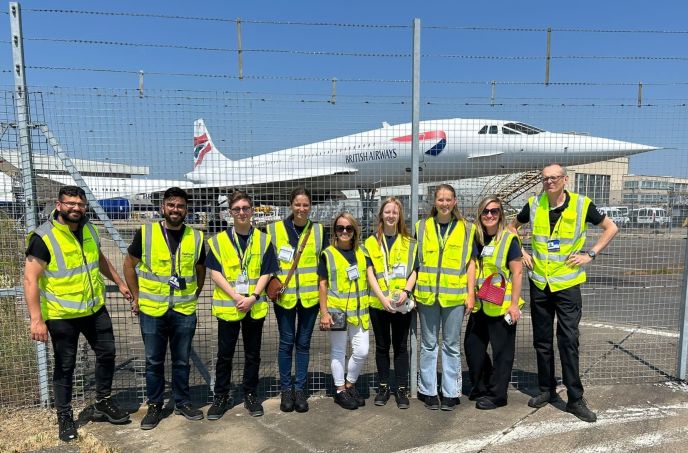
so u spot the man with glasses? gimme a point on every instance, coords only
(164, 269)
(556, 271)
(65, 295)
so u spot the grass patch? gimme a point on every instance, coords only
(658, 271)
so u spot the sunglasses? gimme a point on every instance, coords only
(241, 209)
(343, 228)
(494, 212)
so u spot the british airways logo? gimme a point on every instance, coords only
(438, 147)
(201, 147)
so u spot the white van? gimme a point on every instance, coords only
(615, 215)
(650, 216)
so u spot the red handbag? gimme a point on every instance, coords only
(491, 293)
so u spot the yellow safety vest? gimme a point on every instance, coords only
(443, 272)
(549, 267)
(403, 253)
(71, 285)
(224, 307)
(497, 263)
(303, 284)
(341, 292)
(156, 296)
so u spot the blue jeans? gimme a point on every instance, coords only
(178, 330)
(290, 335)
(450, 318)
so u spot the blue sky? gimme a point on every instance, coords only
(448, 76)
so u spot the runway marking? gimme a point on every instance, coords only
(656, 332)
(524, 430)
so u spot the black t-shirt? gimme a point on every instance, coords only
(269, 265)
(350, 256)
(593, 216)
(174, 237)
(38, 248)
(514, 252)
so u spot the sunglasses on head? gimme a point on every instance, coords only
(343, 228)
(494, 211)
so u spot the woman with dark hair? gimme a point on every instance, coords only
(300, 297)
(241, 260)
(392, 252)
(445, 286)
(499, 253)
(343, 289)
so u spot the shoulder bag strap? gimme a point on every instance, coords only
(298, 256)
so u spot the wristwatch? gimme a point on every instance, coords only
(257, 296)
(408, 293)
(592, 254)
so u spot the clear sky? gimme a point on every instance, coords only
(602, 48)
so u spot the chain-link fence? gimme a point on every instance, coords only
(129, 145)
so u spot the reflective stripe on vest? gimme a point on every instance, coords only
(71, 285)
(341, 292)
(403, 252)
(497, 263)
(303, 284)
(154, 271)
(443, 273)
(549, 267)
(223, 306)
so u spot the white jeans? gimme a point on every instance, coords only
(359, 344)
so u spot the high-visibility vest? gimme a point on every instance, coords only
(403, 252)
(156, 296)
(443, 272)
(497, 263)
(224, 307)
(549, 267)
(71, 285)
(342, 294)
(303, 284)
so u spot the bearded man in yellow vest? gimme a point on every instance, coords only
(65, 295)
(556, 271)
(164, 269)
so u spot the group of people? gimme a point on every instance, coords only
(352, 284)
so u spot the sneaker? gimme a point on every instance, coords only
(382, 395)
(287, 401)
(356, 396)
(345, 400)
(300, 401)
(188, 411)
(221, 404)
(448, 404)
(432, 402)
(542, 399)
(66, 426)
(402, 398)
(579, 408)
(153, 416)
(487, 404)
(108, 409)
(251, 403)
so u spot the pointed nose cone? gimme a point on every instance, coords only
(599, 147)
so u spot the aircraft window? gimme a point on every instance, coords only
(483, 130)
(493, 129)
(524, 128)
(507, 131)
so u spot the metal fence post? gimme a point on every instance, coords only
(683, 326)
(415, 174)
(28, 194)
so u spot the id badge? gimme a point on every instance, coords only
(399, 271)
(488, 250)
(174, 282)
(242, 284)
(352, 272)
(286, 253)
(553, 245)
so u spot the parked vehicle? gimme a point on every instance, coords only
(615, 215)
(649, 217)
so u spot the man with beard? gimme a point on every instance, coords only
(169, 256)
(65, 295)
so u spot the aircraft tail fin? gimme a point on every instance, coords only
(205, 151)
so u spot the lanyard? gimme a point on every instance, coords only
(300, 235)
(386, 253)
(177, 255)
(244, 257)
(443, 238)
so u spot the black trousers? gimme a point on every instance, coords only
(399, 324)
(567, 306)
(227, 336)
(64, 334)
(490, 378)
